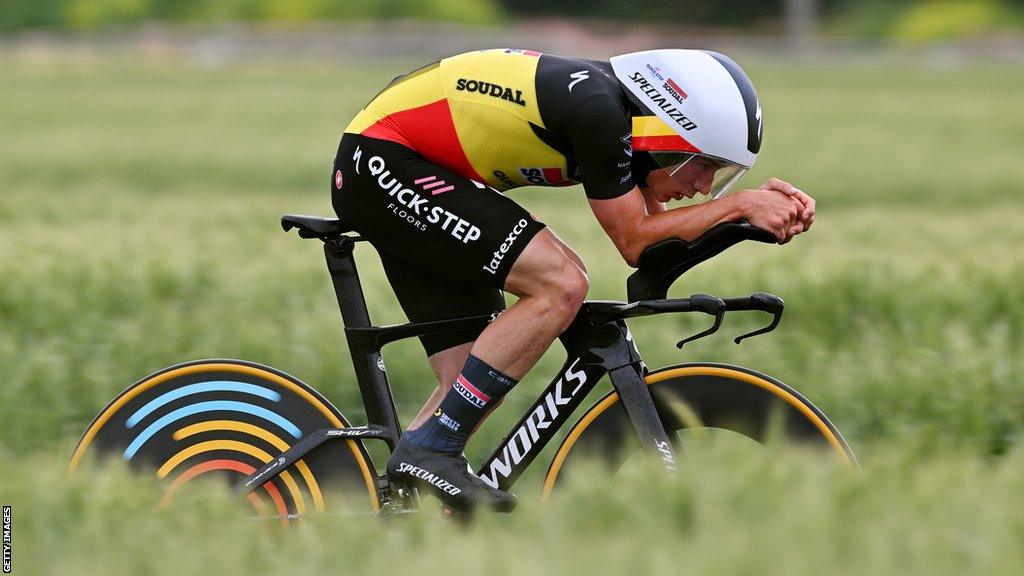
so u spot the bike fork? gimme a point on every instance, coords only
(636, 399)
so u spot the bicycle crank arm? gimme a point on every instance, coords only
(304, 446)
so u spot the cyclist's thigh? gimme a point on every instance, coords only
(425, 296)
(426, 215)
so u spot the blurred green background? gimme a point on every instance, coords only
(149, 148)
(913, 19)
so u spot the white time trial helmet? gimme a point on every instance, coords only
(693, 104)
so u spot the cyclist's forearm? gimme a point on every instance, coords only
(633, 227)
(688, 222)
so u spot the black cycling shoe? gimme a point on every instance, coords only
(447, 476)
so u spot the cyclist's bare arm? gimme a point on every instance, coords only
(654, 206)
(632, 228)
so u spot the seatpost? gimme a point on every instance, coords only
(369, 366)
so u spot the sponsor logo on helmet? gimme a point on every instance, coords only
(656, 71)
(338, 179)
(499, 254)
(429, 477)
(662, 102)
(490, 89)
(675, 91)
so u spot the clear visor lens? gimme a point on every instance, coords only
(698, 175)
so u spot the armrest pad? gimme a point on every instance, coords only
(663, 263)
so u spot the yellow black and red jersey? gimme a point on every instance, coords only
(511, 118)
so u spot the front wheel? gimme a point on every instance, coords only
(703, 395)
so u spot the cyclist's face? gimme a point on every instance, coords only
(685, 180)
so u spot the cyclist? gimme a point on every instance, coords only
(420, 172)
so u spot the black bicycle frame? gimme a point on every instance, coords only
(595, 346)
(597, 343)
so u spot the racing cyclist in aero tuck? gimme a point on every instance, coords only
(420, 173)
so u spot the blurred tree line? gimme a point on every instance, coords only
(90, 14)
(909, 19)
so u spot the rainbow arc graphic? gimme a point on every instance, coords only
(185, 429)
(258, 413)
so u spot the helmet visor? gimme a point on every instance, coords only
(698, 174)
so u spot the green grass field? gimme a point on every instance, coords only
(138, 228)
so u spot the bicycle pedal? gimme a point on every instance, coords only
(400, 501)
(394, 510)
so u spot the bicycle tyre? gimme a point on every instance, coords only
(718, 396)
(230, 417)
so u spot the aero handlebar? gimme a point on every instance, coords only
(759, 301)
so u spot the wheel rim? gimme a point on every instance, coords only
(687, 376)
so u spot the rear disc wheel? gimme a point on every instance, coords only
(229, 418)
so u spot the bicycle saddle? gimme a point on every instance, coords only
(313, 226)
(662, 263)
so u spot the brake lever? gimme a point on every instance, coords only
(707, 304)
(764, 302)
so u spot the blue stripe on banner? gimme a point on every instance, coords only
(214, 386)
(225, 405)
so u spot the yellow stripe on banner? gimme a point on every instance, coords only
(266, 435)
(234, 446)
(650, 126)
(368, 478)
(600, 408)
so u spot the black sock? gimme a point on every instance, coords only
(476, 389)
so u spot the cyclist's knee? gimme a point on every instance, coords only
(550, 272)
(575, 287)
(565, 288)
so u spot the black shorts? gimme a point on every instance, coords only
(446, 242)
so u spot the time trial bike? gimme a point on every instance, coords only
(291, 452)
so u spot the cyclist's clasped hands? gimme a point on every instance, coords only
(779, 207)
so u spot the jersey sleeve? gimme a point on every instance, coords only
(599, 134)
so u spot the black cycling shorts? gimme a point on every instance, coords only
(446, 242)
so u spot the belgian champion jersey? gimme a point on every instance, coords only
(511, 118)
